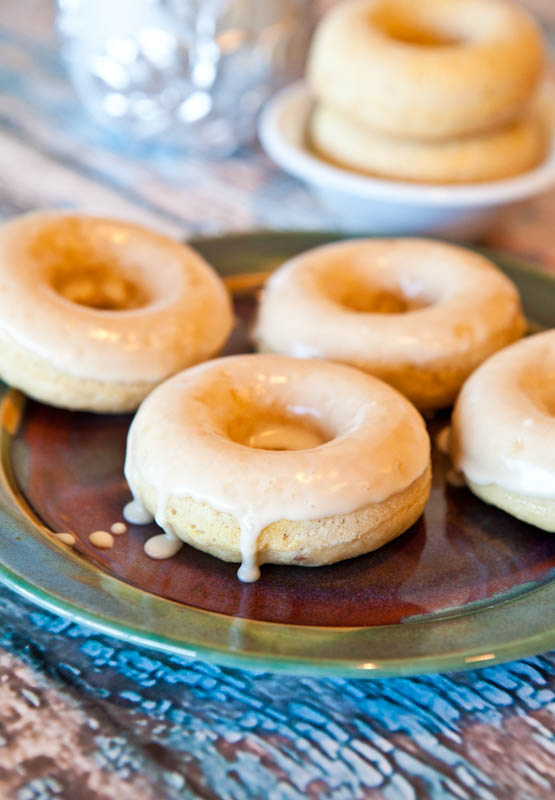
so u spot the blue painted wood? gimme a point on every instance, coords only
(228, 733)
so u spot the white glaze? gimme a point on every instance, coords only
(185, 318)
(503, 427)
(136, 514)
(179, 443)
(464, 302)
(163, 545)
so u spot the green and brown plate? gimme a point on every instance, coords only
(467, 585)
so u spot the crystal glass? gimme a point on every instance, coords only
(191, 73)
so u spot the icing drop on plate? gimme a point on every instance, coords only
(136, 514)
(66, 538)
(101, 539)
(162, 546)
(249, 571)
(167, 544)
(118, 528)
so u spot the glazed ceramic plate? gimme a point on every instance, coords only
(467, 585)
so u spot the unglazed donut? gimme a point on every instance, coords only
(428, 69)
(252, 458)
(503, 430)
(501, 153)
(94, 313)
(419, 314)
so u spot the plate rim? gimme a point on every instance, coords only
(298, 160)
(119, 609)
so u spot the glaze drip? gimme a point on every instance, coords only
(249, 571)
(136, 514)
(163, 545)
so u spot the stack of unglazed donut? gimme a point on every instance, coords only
(439, 91)
(313, 451)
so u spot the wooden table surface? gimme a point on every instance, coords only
(86, 716)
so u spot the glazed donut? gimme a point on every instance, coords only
(421, 315)
(503, 430)
(271, 466)
(94, 313)
(506, 151)
(429, 69)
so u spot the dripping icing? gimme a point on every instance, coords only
(167, 544)
(136, 514)
(249, 571)
(163, 545)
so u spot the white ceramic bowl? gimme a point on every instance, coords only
(376, 205)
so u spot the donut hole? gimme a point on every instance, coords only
(539, 385)
(268, 428)
(418, 24)
(97, 286)
(378, 301)
(354, 291)
(84, 262)
(407, 32)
